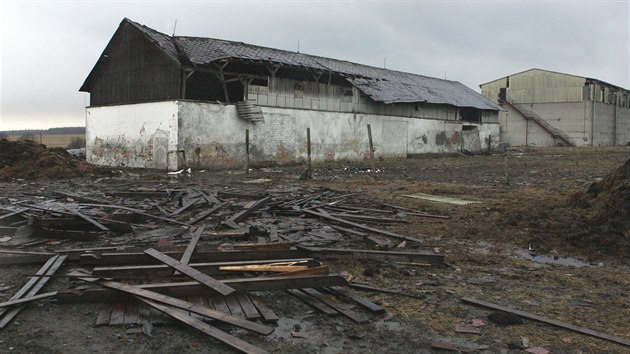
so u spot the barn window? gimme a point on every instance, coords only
(470, 114)
(299, 90)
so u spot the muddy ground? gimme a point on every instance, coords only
(524, 245)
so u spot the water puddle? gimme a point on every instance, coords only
(565, 261)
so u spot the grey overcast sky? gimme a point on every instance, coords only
(49, 47)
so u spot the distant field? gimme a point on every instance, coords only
(53, 140)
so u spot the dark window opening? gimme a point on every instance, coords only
(299, 90)
(347, 92)
(507, 82)
(260, 82)
(204, 86)
(470, 114)
(469, 127)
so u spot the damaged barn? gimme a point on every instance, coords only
(159, 101)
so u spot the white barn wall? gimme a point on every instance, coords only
(136, 135)
(212, 135)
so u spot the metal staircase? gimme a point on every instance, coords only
(248, 111)
(558, 134)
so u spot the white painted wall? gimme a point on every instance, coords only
(137, 135)
(212, 135)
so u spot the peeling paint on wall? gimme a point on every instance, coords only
(207, 135)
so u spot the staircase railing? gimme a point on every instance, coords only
(555, 132)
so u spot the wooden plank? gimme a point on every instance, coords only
(267, 314)
(205, 328)
(381, 290)
(88, 219)
(335, 305)
(549, 321)
(264, 268)
(193, 288)
(204, 311)
(360, 226)
(219, 303)
(144, 314)
(394, 256)
(39, 283)
(117, 317)
(104, 313)
(313, 302)
(156, 317)
(207, 268)
(206, 213)
(190, 249)
(131, 313)
(27, 299)
(234, 306)
(191, 272)
(127, 258)
(248, 307)
(416, 212)
(248, 210)
(321, 270)
(136, 211)
(357, 298)
(23, 259)
(186, 206)
(13, 213)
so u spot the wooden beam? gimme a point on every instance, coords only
(335, 305)
(313, 302)
(191, 272)
(205, 328)
(88, 219)
(126, 258)
(549, 321)
(192, 288)
(206, 213)
(267, 314)
(418, 256)
(241, 215)
(27, 299)
(39, 284)
(361, 226)
(136, 291)
(356, 298)
(190, 249)
(207, 268)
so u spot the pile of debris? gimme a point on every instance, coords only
(205, 258)
(608, 205)
(29, 160)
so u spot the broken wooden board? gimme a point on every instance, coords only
(357, 298)
(313, 302)
(27, 299)
(205, 328)
(335, 305)
(202, 278)
(247, 210)
(417, 256)
(139, 292)
(360, 226)
(190, 249)
(206, 268)
(550, 321)
(128, 258)
(267, 314)
(39, 283)
(181, 289)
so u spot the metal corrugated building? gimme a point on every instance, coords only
(546, 108)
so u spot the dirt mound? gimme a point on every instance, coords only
(29, 160)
